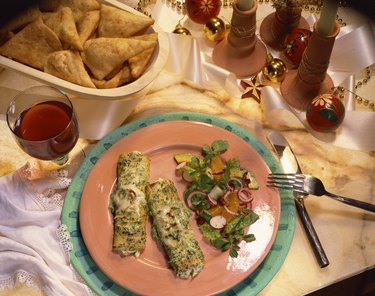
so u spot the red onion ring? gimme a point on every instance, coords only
(244, 194)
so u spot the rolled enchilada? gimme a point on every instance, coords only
(128, 204)
(171, 228)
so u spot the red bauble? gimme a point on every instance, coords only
(201, 11)
(325, 113)
(295, 44)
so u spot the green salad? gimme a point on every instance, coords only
(219, 191)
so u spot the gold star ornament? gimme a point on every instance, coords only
(253, 88)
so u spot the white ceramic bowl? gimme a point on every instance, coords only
(99, 111)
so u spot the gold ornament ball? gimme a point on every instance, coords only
(274, 70)
(181, 30)
(215, 29)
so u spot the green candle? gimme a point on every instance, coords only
(327, 17)
(244, 4)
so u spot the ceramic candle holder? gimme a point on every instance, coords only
(302, 85)
(241, 52)
(276, 26)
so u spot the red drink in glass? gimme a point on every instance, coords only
(46, 131)
(44, 123)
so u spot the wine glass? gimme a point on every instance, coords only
(43, 123)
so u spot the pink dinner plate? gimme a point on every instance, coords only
(149, 274)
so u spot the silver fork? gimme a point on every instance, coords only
(312, 185)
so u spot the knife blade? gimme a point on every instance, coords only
(290, 165)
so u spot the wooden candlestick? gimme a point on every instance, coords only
(245, 4)
(276, 26)
(241, 52)
(301, 86)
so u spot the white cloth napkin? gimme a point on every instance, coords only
(33, 244)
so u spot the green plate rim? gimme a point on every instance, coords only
(100, 283)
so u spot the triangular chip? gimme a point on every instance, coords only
(115, 22)
(88, 24)
(122, 77)
(63, 24)
(22, 19)
(68, 65)
(80, 7)
(139, 62)
(102, 55)
(32, 45)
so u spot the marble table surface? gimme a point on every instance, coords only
(346, 233)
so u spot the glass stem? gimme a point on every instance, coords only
(62, 160)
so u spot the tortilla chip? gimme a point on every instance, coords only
(122, 77)
(68, 65)
(139, 62)
(102, 55)
(21, 20)
(63, 24)
(88, 24)
(32, 45)
(5, 37)
(80, 7)
(115, 71)
(118, 23)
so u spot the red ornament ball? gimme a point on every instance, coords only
(295, 44)
(201, 11)
(325, 113)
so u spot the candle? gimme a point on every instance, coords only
(244, 4)
(327, 17)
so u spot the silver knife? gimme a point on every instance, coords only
(290, 165)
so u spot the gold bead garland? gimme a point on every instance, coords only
(340, 91)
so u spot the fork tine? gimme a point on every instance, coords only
(282, 186)
(292, 183)
(287, 186)
(289, 181)
(286, 175)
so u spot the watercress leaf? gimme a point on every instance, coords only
(233, 163)
(249, 217)
(220, 146)
(236, 247)
(233, 253)
(237, 235)
(205, 215)
(249, 238)
(221, 244)
(208, 232)
(206, 149)
(233, 225)
(199, 201)
(205, 183)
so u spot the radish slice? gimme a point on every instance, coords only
(218, 222)
(181, 165)
(244, 195)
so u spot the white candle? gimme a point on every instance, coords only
(244, 4)
(328, 17)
